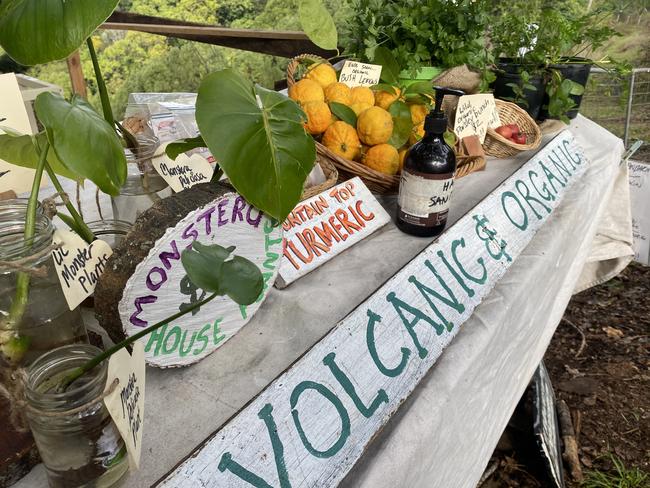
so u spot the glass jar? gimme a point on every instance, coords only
(143, 186)
(110, 231)
(34, 316)
(78, 441)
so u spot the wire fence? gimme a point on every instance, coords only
(622, 105)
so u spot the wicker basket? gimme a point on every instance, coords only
(331, 177)
(379, 182)
(498, 146)
(292, 67)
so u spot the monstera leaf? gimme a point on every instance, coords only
(83, 140)
(40, 31)
(19, 149)
(213, 269)
(258, 138)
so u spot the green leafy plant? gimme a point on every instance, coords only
(419, 32)
(257, 135)
(559, 91)
(620, 477)
(519, 89)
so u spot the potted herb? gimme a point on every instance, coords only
(567, 38)
(425, 37)
(519, 73)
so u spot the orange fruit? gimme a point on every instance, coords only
(383, 158)
(402, 155)
(375, 126)
(418, 113)
(342, 139)
(362, 94)
(359, 108)
(306, 91)
(321, 73)
(385, 99)
(319, 117)
(338, 92)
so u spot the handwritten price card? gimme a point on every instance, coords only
(184, 172)
(78, 265)
(325, 225)
(360, 74)
(475, 113)
(125, 403)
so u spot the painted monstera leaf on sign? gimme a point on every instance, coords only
(40, 31)
(258, 138)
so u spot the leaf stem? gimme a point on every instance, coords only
(19, 303)
(83, 229)
(101, 86)
(77, 372)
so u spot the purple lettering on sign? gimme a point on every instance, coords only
(163, 277)
(139, 301)
(222, 212)
(256, 221)
(190, 233)
(207, 215)
(166, 256)
(240, 204)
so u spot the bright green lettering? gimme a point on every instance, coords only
(418, 315)
(373, 318)
(508, 194)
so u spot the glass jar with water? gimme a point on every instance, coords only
(143, 186)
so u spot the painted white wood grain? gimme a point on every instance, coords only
(157, 287)
(406, 323)
(325, 225)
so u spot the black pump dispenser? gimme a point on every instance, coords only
(436, 120)
(427, 177)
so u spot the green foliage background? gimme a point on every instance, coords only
(137, 62)
(133, 61)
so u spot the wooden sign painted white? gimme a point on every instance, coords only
(312, 424)
(639, 177)
(159, 287)
(354, 74)
(325, 225)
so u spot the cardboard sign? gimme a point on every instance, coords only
(78, 265)
(159, 286)
(545, 425)
(126, 403)
(639, 177)
(325, 225)
(14, 113)
(313, 423)
(184, 172)
(475, 113)
(360, 74)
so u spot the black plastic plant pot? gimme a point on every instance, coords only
(574, 69)
(509, 72)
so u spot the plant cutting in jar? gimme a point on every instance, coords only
(77, 143)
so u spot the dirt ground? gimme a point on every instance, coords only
(599, 362)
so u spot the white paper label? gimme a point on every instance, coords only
(126, 403)
(420, 196)
(78, 265)
(475, 113)
(184, 172)
(360, 74)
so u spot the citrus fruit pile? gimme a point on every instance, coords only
(367, 133)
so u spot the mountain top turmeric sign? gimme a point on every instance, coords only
(321, 227)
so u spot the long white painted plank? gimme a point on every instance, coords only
(312, 424)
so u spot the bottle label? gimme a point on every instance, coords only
(424, 198)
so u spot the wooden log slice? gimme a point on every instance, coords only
(143, 282)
